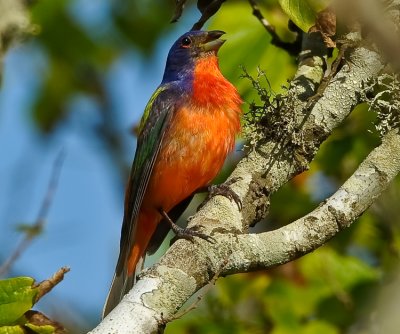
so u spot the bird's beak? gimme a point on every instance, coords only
(212, 41)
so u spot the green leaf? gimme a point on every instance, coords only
(16, 297)
(11, 330)
(21, 329)
(46, 329)
(300, 12)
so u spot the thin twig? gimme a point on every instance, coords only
(47, 285)
(179, 5)
(41, 218)
(257, 13)
(291, 48)
(209, 11)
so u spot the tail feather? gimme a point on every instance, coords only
(130, 260)
(120, 286)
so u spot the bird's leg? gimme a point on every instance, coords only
(222, 189)
(186, 233)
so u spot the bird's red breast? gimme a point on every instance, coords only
(212, 91)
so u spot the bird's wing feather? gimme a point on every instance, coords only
(153, 126)
(154, 122)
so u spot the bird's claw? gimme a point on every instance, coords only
(189, 233)
(223, 190)
(186, 233)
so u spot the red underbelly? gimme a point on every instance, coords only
(193, 152)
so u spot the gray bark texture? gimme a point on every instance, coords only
(189, 266)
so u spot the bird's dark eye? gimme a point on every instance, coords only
(186, 42)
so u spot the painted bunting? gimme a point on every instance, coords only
(187, 130)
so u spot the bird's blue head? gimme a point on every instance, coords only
(187, 49)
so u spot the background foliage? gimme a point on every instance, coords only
(92, 66)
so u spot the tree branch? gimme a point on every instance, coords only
(269, 249)
(186, 267)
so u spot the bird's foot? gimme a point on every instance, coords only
(190, 233)
(223, 190)
(186, 232)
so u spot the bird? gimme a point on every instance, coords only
(186, 132)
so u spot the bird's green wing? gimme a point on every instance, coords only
(152, 128)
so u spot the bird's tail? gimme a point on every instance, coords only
(120, 286)
(130, 265)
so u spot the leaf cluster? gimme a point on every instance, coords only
(17, 296)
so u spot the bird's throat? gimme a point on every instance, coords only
(210, 88)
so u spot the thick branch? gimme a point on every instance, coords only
(336, 213)
(187, 266)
